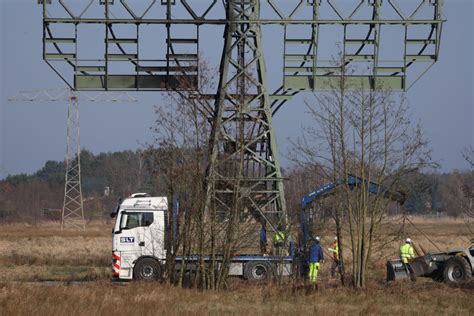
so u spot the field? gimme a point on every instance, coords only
(44, 270)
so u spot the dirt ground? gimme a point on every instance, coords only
(44, 270)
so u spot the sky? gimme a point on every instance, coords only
(33, 133)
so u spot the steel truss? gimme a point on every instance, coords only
(121, 39)
(244, 172)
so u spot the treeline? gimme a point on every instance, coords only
(108, 176)
(105, 178)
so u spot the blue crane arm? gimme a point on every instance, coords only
(352, 181)
(328, 189)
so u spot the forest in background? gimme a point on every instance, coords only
(31, 197)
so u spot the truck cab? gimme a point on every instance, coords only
(138, 237)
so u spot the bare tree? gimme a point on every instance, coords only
(468, 185)
(366, 132)
(179, 158)
(468, 155)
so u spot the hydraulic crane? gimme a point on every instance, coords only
(330, 188)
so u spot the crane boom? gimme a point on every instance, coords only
(352, 181)
(329, 189)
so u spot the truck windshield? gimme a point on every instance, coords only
(138, 219)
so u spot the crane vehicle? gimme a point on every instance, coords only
(139, 245)
(139, 239)
(455, 266)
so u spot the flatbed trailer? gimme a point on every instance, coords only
(250, 267)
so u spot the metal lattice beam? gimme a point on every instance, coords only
(244, 174)
(178, 63)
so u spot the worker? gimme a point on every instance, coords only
(316, 257)
(335, 257)
(406, 252)
(263, 239)
(279, 240)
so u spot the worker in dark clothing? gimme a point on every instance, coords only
(316, 257)
(263, 239)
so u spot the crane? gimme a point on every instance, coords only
(329, 189)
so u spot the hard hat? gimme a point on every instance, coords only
(408, 241)
(317, 238)
(335, 238)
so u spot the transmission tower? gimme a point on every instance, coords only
(244, 171)
(73, 204)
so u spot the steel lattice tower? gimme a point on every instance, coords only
(244, 173)
(73, 207)
(73, 204)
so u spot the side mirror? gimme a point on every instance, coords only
(123, 222)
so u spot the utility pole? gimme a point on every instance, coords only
(244, 170)
(73, 205)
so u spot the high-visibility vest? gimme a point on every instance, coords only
(406, 252)
(335, 247)
(279, 238)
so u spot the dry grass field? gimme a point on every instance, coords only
(46, 271)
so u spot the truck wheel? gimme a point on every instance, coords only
(258, 271)
(147, 269)
(457, 270)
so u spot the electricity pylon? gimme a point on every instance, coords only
(244, 170)
(244, 173)
(73, 204)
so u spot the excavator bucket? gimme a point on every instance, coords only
(396, 271)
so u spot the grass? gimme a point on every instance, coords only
(151, 299)
(36, 253)
(30, 255)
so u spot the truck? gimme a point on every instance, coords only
(139, 245)
(455, 266)
(139, 239)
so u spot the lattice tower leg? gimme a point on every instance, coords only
(244, 175)
(73, 210)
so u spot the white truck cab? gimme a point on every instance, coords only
(138, 237)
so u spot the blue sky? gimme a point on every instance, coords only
(32, 133)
